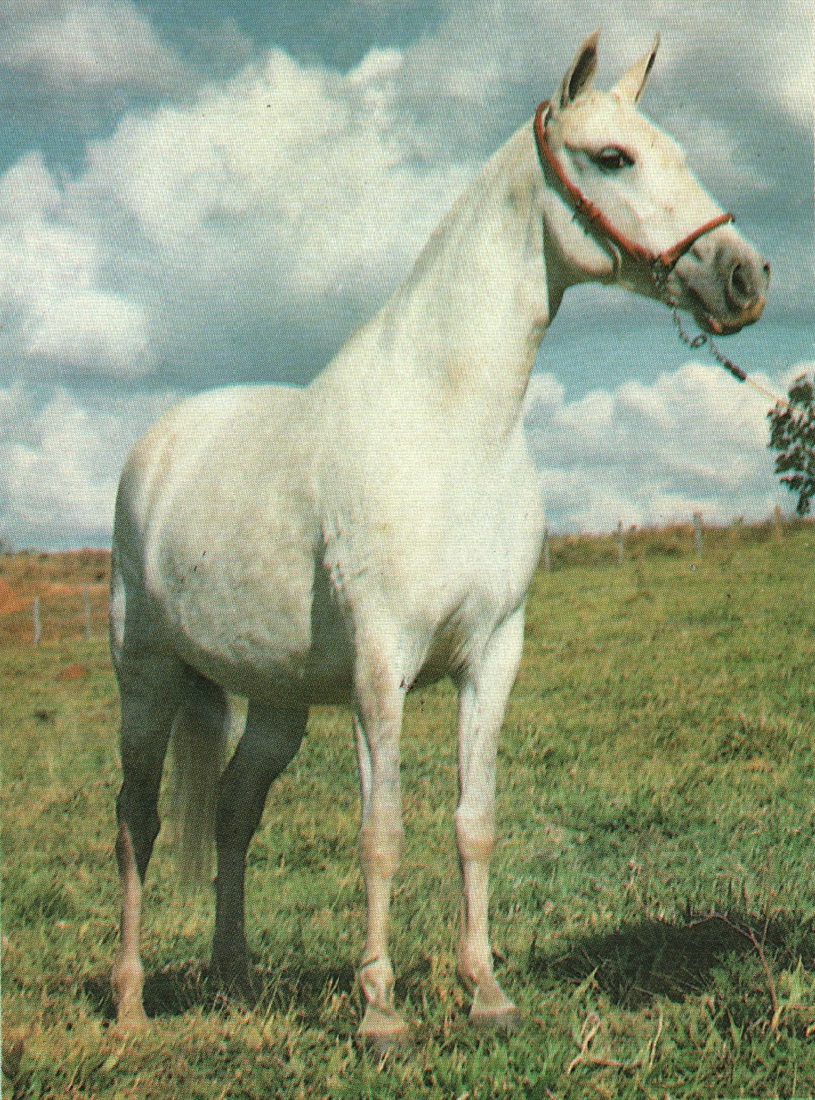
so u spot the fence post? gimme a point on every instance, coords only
(777, 523)
(697, 534)
(87, 601)
(37, 623)
(547, 558)
(620, 543)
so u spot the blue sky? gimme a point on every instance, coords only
(195, 194)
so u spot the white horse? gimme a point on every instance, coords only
(379, 529)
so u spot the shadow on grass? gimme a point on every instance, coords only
(655, 958)
(304, 989)
(170, 992)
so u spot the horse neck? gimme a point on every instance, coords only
(464, 329)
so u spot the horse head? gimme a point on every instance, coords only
(627, 208)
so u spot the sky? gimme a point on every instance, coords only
(205, 193)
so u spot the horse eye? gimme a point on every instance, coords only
(613, 159)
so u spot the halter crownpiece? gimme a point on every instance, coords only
(660, 264)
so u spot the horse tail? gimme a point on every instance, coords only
(200, 739)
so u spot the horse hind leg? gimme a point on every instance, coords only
(150, 691)
(270, 741)
(161, 696)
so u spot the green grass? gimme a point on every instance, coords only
(653, 891)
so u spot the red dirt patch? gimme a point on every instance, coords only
(55, 589)
(10, 601)
(76, 671)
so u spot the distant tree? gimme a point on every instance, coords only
(792, 434)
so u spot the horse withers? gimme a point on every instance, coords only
(379, 528)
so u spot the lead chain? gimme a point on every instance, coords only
(660, 273)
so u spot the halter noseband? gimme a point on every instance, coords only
(660, 264)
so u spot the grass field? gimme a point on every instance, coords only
(653, 894)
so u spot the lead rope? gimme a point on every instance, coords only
(660, 275)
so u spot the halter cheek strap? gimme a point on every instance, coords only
(660, 263)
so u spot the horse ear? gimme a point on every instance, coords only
(632, 85)
(581, 74)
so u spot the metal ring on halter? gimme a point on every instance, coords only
(616, 259)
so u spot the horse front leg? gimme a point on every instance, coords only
(377, 725)
(483, 695)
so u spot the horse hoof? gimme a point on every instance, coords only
(127, 982)
(505, 1021)
(233, 979)
(131, 1021)
(384, 1044)
(491, 1009)
(384, 1031)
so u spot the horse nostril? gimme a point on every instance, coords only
(741, 289)
(738, 281)
(767, 271)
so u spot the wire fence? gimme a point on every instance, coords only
(55, 617)
(693, 539)
(75, 612)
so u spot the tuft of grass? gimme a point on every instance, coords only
(653, 895)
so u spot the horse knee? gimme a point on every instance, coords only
(476, 836)
(127, 980)
(380, 847)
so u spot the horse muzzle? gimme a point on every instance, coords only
(724, 287)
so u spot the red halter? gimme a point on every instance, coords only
(660, 264)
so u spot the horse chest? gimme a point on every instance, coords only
(443, 565)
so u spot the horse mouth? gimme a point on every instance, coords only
(730, 323)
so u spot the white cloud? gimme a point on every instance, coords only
(718, 155)
(60, 463)
(286, 169)
(91, 332)
(80, 45)
(27, 190)
(377, 65)
(53, 314)
(693, 441)
(796, 370)
(789, 57)
(245, 232)
(284, 189)
(274, 202)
